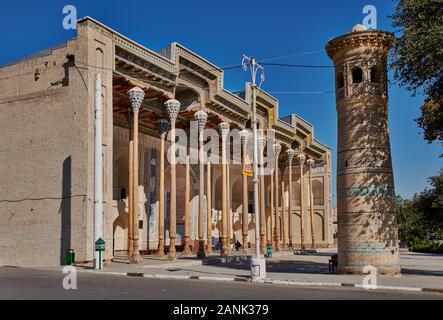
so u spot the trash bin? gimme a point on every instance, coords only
(70, 257)
(269, 251)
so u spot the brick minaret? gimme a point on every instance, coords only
(367, 227)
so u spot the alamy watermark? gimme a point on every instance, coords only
(70, 280)
(370, 20)
(70, 20)
(370, 281)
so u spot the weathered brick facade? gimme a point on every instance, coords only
(367, 227)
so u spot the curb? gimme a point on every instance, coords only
(267, 281)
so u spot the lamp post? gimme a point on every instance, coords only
(173, 107)
(244, 135)
(301, 162)
(310, 164)
(201, 118)
(257, 264)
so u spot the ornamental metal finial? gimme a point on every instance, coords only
(172, 107)
(136, 96)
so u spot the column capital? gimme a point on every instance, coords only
(172, 107)
(310, 163)
(201, 117)
(301, 159)
(290, 153)
(261, 141)
(244, 136)
(136, 96)
(224, 129)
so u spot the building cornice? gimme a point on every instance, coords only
(352, 40)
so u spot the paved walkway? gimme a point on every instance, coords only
(418, 270)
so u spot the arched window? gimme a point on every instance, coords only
(340, 80)
(357, 75)
(375, 75)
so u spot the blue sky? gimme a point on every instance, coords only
(221, 31)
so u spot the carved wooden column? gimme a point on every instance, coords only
(130, 187)
(261, 148)
(310, 164)
(209, 211)
(301, 160)
(267, 213)
(244, 135)
(224, 129)
(187, 249)
(163, 127)
(173, 107)
(228, 200)
(277, 150)
(283, 207)
(201, 118)
(290, 154)
(272, 214)
(136, 96)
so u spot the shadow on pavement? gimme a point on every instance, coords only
(282, 266)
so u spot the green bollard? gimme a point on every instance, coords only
(269, 251)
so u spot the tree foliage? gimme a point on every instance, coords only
(417, 59)
(421, 218)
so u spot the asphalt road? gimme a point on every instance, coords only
(24, 284)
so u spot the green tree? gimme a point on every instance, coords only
(417, 59)
(421, 218)
(410, 222)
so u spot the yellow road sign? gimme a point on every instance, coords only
(248, 168)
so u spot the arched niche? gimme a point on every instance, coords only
(318, 192)
(357, 75)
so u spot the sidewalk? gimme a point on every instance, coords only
(419, 271)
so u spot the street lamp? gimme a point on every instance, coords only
(244, 135)
(258, 265)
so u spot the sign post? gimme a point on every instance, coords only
(100, 247)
